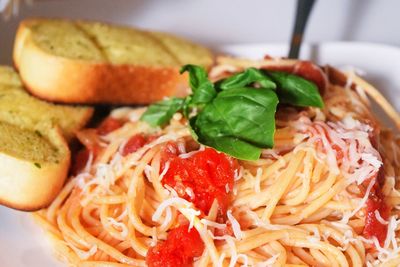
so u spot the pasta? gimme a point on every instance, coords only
(327, 194)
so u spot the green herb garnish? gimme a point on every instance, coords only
(37, 165)
(296, 91)
(161, 112)
(236, 115)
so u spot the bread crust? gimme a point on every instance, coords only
(64, 80)
(25, 186)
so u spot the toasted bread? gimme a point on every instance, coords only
(9, 77)
(33, 166)
(20, 108)
(34, 155)
(91, 62)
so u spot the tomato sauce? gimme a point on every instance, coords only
(108, 125)
(307, 70)
(201, 178)
(180, 248)
(134, 143)
(80, 160)
(90, 139)
(375, 202)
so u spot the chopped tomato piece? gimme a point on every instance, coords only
(201, 178)
(170, 151)
(224, 231)
(376, 202)
(181, 246)
(108, 125)
(82, 157)
(80, 161)
(134, 143)
(373, 227)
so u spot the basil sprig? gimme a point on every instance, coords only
(236, 115)
(250, 75)
(161, 112)
(295, 90)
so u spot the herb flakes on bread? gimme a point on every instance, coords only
(34, 154)
(92, 62)
(33, 166)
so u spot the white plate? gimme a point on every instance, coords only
(21, 241)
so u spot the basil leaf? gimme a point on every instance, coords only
(234, 147)
(161, 112)
(247, 77)
(186, 106)
(247, 114)
(295, 90)
(202, 88)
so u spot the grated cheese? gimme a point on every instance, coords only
(372, 160)
(362, 203)
(170, 202)
(238, 174)
(213, 224)
(189, 192)
(181, 148)
(235, 225)
(164, 171)
(227, 190)
(191, 153)
(379, 217)
(168, 218)
(123, 229)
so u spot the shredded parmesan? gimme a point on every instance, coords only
(213, 224)
(235, 225)
(164, 171)
(189, 192)
(174, 202)
(379, 217)
(362, 204)
(227, 189)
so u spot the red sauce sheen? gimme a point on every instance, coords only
(307, 70)
(376, 202)
(180, 248)
(134, 143)
(373, 227)
(108, 125)
(92, 147)
(80, 160)
(311, 72)
(206, 176)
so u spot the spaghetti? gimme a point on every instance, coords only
(327, 194)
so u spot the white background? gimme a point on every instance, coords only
(215, 22)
